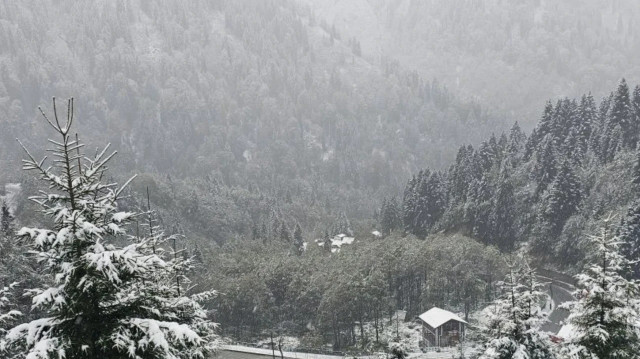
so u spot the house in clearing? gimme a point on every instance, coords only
(441, 328)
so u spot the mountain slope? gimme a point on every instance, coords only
(238, 113)
(512, 55)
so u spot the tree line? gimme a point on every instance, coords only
(544, 190)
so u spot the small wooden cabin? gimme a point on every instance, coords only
(441, 328)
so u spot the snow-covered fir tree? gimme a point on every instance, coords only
(515, 318)
(620, 114)
(605, 316)
(389, 216)
(112, 295)
(503, 216)
(562, 199)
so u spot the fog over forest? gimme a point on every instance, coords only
(365, 178)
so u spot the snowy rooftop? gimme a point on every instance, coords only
(435, 317)
(567, 331)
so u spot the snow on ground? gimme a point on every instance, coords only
(269, 352)
(567, 332)
(288, 343)
(409, 333)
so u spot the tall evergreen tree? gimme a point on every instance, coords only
(504, 213)
(460, 175)
(605, 315)
(598, 130)
(562, 199)
(430, 203)
(516, 142)
(390, 216)
(479, 207)
(587, 115)
(621, 115)
(409, 203)
(487, 155)
(546, 125)
(546, 165)
(107, 300)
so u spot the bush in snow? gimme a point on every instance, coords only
(397, 350)
(107, 300)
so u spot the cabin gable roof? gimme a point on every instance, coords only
(436, 317)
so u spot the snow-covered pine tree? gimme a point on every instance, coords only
(113, 295)
(562, 199)
(503, 212)
(546, 164)
(389, 216)
(515, 318)
(430, 203)
(588, 114)
(409, 202)
(605, 315)
(621, 115)
(546, 127)
(516, 142)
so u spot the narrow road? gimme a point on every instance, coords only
(560, 293)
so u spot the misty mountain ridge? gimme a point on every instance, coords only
(229, 178)
(573, 47)
(260, 98)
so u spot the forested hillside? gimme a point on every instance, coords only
(547, 191)
(571, 46)
(236, 114)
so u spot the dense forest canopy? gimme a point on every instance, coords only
(546, 191)
(257, 109)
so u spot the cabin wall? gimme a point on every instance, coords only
(448, 334)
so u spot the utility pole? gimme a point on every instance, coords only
(273, 347)
(397, 325)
